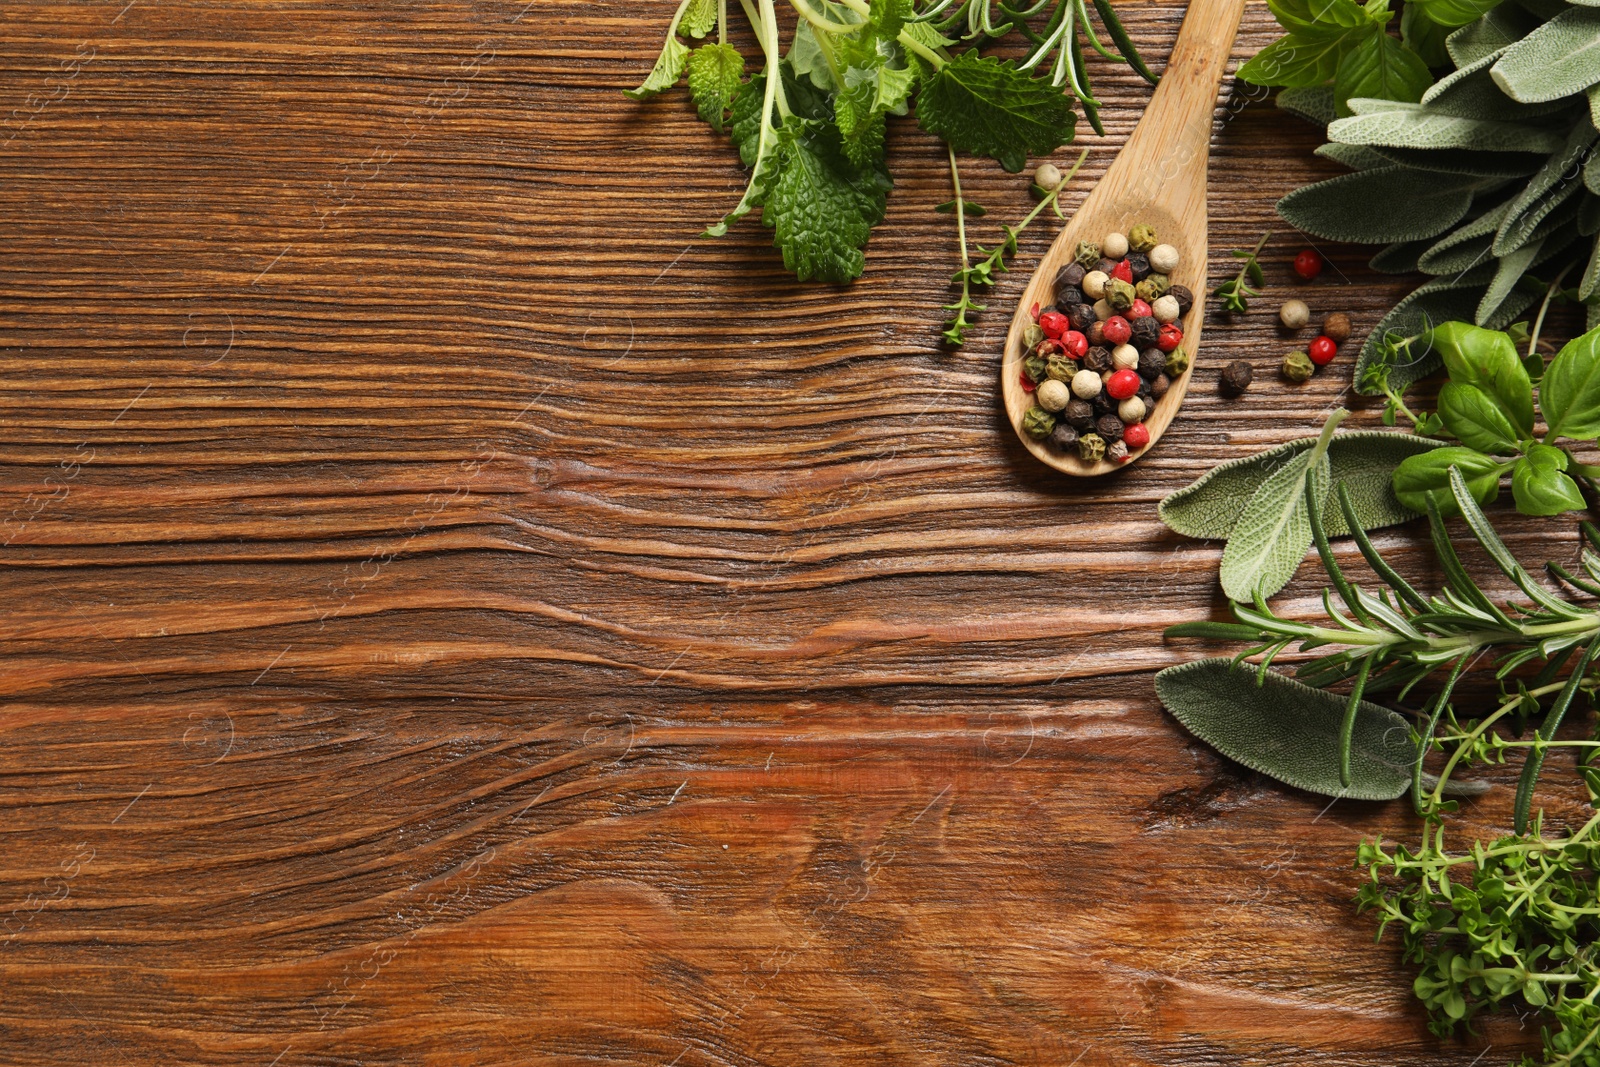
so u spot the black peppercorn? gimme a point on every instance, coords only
(1184, 297)
(1103, 404)
(1069, 277)
(1159, 386)
(1152, 361)
(1081, 316)
(1067, 297)
(1096, 332)
(1098, 359)
(1079, 414)
(1139, 263)
(1107, 265)
(1236, 378)
(1144, 333)
(1109, 427)
(1064, 437)
(1145, 393)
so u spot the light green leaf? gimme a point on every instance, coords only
(820, 206)
(1546, 190)
(715, 73)
(1540, 487)
(1379, 206)
(1298, 60)
(1505, 25)
(1313, 103)
(1509, 271)
(699, 18)
(1354, 156)
(1399, 124)
(1473, 419)
(1558, 59)
(1381, 68)
(1365, 460)
(1421, 476)
(1288, 730)
(1569, 393)
(1488, 360)
(1453, 13)
(668, 69)
(1329, 17)
(988, 107)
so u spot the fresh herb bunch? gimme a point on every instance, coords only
(1489, 180)
(1489, 406)
(1236, 291)
(811, 123)
(1513, 922)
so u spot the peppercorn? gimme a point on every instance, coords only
(1103, 310)
(1103, 404)
(1117, 330)
(1136, 436)
(1297, 367)
(1139, 264)
(1069, 277)
(1122, 270)
(1177, 362)
(1032, 335)
(1159, 386)
(1094, 284)
(1145, 333)
(1236, 378)
(1087, 255)
(1122, 384)
(1091, 448)
(1119, 294)
(1109, 427)
(1153, 288)
(1131, 410)
(1115, 246)
(1034, 368)
(1140, 309)
(1053, 323)
(1080, 413)
(1096, 333)
(1142, 238)
(1184, 298)
(1086, 384)
(1037, 423)
(1294, 314)
(1144, 392)
(1117, 452)
(1098, 359)
(1052, 395)
(1164, 258)
(1308, 264)
(1322, 350)
(1166, 309)
(1152, 361)
(1063, 437)
(1125, 357)
(1108, 266)
(1081, 316)
(1075, 343)
(1069, 298)
(1170, 337)
(1047, 177)
(1060, 368)
(1336, 327)
(1047, 348)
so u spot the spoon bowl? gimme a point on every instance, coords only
(1159, 179)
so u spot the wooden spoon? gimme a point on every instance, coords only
(1158, 179)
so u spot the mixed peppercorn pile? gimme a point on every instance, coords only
(1102, 358)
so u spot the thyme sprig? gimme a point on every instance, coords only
(1237, 291)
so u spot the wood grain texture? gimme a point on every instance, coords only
(457, 616)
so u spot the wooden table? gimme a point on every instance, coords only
(455, 615)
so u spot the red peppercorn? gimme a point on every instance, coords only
(1308, 264)
(1027, 383)
(1075, 343)
(1322, 350)
(1117, 330)
(1053, 323)
(1136, 435)
(1140, 310)
(1122, 384)
(1171, 337)
(1124, 271)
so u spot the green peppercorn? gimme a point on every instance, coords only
(1142, 238)
(1034, 367)
(1038, 423)
(1060, 368)
(1091, 448)
(1153, 288)
(1032, 334)
(1177, 362)
(1297, 367)
(1120, 295)
(1087, 255)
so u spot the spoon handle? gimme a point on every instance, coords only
(1175, 135)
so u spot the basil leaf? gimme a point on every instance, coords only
(1296, 61)
(1379, 206)
(1429, 475)
(1539, 485)
(1472, 418)
(1380, 68)
(1424, 36)
(1364, 460)
(1558, 59)
(1453, 13)
(1318, 16)
(1487, 359)
(1288, 730)
(1569, 395)
(989, 108)
(1399, 124)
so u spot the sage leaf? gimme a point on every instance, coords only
(1379, 206)
(1446, 256)
(1540, 485)
(1505, 25)
(1398, 124)
(1512, 266)
(1457, 161)
(1569, 393)
(1364, 460)
(1314, 103)
(1558, 59)
(1427, 475)
(1472, 418)
(1590, 282)
(1354, 156)
(1288, 730)
(1547, 190)
(1401, 257)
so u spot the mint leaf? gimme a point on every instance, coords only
(991, 108)
(665, 74)
(699, 18)
(820, 206)
(1380, 68)
(715, 73)
(860, 110)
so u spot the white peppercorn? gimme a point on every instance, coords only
(1165, 309)
(1164, 259)
(1094, 284)
(1131, 410)
(1047, 177)
(1102, 310)
(1115, 246)
(1052, 395)
(1125, 357)
(1086, 384)
(1295, 314)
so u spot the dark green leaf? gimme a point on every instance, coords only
(1443, 300)
(1429, 475)
(1288, 730)
(1547, 732)
(1488, 360)
(1379, 206)
(1453, 13)
(1382, 69)
(1297, 61)
(1424, 36)
(1313, 103)
(822, 207)
(976, 211)
(988, 107)
(1473, 419)
(1539, 484)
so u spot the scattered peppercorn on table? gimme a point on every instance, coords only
(456, 616)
